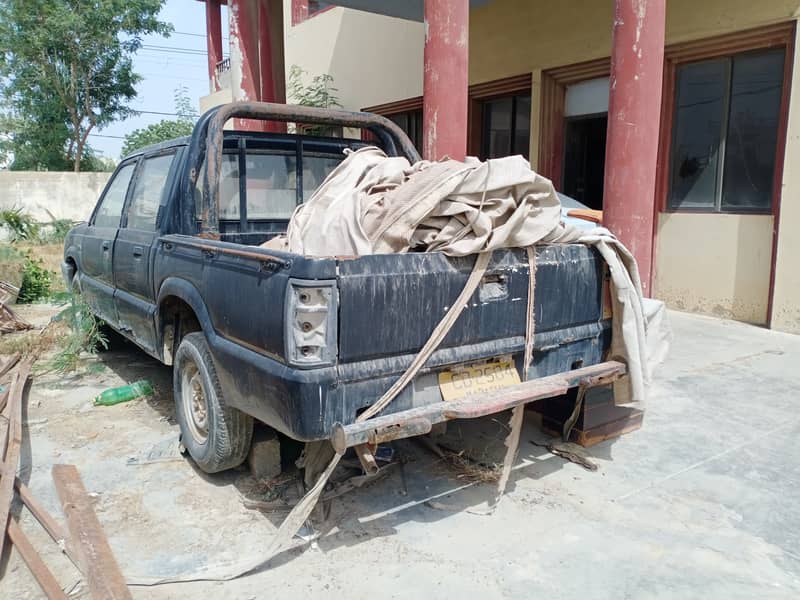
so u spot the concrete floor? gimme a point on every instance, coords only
(700, 503)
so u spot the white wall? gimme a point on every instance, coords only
(373, 59)
(65, 195)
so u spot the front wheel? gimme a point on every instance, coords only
(217, 436)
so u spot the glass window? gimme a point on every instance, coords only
(110, 210)
(315, 169)
(506, 126)
(411, 123)
(271, 189)
(271, 186)
(314, 6)
(697, 133)
(756, 86)
(148, 192)
(725, 133)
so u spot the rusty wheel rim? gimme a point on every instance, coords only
(195, 404)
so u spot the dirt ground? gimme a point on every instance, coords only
(700, 503)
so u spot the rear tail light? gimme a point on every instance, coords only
(311, 336)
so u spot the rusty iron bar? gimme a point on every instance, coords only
(412, 422)
(13, 438)
(367, 459)
(44, 577)
(46, 520)
(100, 568)
(193, 242)
(390, 134)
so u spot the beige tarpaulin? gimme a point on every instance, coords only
(373, 204)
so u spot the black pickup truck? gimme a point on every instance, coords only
(171, 259)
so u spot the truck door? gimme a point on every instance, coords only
(134, 295)
(97, 246)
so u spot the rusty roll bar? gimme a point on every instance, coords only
(393, 139)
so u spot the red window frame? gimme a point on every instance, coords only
(300, 11)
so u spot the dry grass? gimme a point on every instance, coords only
(470, 470)
(34, 342)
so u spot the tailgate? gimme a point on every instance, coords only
(390, 303)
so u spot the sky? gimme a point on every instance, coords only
(164, 64)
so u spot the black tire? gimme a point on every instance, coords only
(228, 431)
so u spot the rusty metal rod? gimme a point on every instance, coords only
(367, 459)
(408, 422)
(44, 577)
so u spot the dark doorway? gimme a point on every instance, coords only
(585, 158)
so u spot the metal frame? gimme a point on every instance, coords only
(208, 138)
(419, 421)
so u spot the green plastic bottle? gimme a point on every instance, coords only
(124, 393)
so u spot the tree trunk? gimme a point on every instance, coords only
(78, 157)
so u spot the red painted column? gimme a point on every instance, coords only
(245, 73)
(445, 79)
(213, 41)
(634, 110)
(271, 56)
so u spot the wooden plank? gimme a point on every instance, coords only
(100, 568)
(12, 360)
(50, 525)
(4, 398)
(11, 458)
(39, 570)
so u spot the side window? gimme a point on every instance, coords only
(110, 209)
(148, 192)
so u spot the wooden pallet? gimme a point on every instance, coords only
(599, 420)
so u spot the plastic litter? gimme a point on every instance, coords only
(125, 393)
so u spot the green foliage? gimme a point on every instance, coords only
(20, 225)
(56, 231)
(85, 335)
(12, 264)
(66, 68)
(36, 280)
(318, 92)
(166, 129)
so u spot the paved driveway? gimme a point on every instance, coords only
(700, 503)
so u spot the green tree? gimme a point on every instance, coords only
(318, 92)
(165, 129)
(66, 68)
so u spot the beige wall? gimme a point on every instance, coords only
(786, 298)
(373, 59)
(511, 37)
(223, 96)
(715, 264)
(65, 195)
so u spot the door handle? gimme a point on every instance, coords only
(137, 251)
(106, 245)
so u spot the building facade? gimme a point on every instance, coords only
(723, 198)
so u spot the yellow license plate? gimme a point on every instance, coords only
(474, 379)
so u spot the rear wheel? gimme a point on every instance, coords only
(216, 436)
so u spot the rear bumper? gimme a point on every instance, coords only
(418, 421)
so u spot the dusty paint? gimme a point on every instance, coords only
(786, 294)
(715, 264)
(245, 84)
(213, 42)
